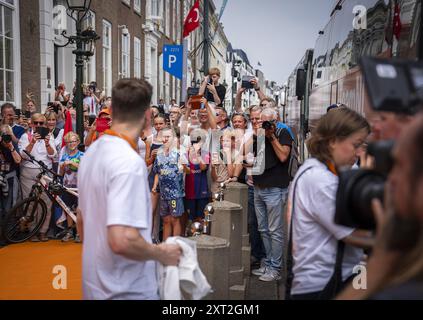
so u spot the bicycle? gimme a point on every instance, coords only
(26, 218)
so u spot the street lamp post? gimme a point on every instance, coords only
(85, 44)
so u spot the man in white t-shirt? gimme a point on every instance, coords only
(119, 260)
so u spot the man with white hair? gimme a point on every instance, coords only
(270, 194)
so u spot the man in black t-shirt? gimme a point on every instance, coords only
(212, 90)
(271, 192)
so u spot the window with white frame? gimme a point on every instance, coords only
(137, 58)
(107, 57)
(89, 74)
(126, 56)
(137, 6)
(9, 59)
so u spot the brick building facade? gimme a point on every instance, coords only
(132, 32)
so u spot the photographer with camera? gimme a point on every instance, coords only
(8, 113)
(321, 254)
(270, 193)
(395, 267)
(211, 89)
(9, 165)
(40, 144)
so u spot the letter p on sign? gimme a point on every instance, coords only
(172, 60)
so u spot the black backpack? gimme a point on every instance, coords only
(294, 162)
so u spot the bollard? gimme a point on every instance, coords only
(213, 258)
(238, 193)
(227, 224)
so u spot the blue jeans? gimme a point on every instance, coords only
(257, 248)
(269, 203)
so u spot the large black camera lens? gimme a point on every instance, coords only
(7, 138)
(267, 125)
(357, 189)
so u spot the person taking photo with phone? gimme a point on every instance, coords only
(214, 92)
(100, 125)
(40, 144)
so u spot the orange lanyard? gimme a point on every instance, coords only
(110, 132)
(332, 168)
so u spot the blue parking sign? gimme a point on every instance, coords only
(173, 60)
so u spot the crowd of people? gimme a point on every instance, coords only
(187, 153)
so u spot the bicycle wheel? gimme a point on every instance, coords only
(24, 220)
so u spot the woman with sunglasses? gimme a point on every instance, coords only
(40, 144)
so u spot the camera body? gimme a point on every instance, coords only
(357, 188)
(267, 125)
(6, 138)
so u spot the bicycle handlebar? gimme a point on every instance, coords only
(41, 164)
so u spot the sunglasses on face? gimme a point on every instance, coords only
(37, 123)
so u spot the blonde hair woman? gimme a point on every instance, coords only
(70, 159)
(57, 134)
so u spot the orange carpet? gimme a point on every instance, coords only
(26, 271)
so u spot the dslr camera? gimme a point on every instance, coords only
(267, 125)
(392, 86)
(6, 138)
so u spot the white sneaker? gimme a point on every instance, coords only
(270, 275)
(259, 272)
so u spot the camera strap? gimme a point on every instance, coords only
(290, 258)
(335, 282)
